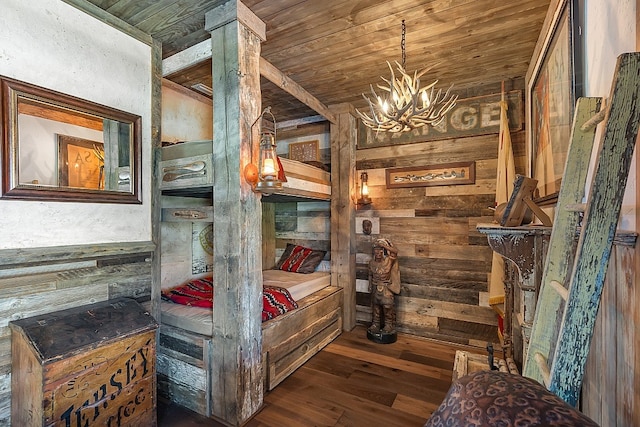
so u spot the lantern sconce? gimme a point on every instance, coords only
(364, 198)
(266, 177)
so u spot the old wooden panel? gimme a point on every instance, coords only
(190, 347)
(11, 258)
(457, 295)
(417, 320)
(325, 37)
(5, 399)
(183, 383)
(236, 338)
(474, 332)
(5, 355)
(281, 362)
(268, 235)
(430, 152)
(458, 252)
(444, 261)
(461, 312)
(470, 117)
(343, 158)
(302, 223)
(277, 331)
(35, 281)
(610, 390)
(44, 302)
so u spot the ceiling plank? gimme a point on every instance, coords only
(336, 49)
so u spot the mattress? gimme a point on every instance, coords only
(298, 285)
(200, 320)
(193, 319)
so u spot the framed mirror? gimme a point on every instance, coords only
(61, 148)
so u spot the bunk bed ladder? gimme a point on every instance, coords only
(574, 271)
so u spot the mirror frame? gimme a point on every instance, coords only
(9, 141)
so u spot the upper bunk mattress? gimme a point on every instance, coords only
(187, 169)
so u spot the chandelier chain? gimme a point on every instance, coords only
(403, 44)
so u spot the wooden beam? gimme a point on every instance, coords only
(156, 153)
(285, 83)
(223, 14)
(202, 52)
(187, 58)
(290, 124)
(117, 23)
(236, 355)
(343, 245)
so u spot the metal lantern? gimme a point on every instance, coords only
(268, 165)
(364, 198)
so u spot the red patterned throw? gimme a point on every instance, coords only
(199, 293)
(276, 301)
(196, 293)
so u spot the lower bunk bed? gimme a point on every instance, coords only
(288, 340)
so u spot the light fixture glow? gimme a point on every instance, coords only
(364, 198)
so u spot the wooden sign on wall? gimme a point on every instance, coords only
(471, 116)
(427, 176)
(305, 151)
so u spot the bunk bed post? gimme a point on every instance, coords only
(343, 165)
(236, 361)
(268, 235)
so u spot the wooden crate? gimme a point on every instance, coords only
(90, 365)
(466, 363)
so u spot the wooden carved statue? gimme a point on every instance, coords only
(384, 284)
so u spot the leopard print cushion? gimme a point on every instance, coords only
(492, 398)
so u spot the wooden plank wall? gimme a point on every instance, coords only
(41, 280)
(444, 261)
(611, 388)
(302, 223)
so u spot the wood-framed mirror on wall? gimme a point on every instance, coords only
(61, 148)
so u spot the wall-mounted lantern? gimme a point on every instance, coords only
(364, 198)
(266, 178)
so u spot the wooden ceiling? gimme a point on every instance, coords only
(336, 48)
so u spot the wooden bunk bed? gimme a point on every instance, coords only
(289, 340)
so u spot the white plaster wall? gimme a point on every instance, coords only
(185, 118)
(51, 44)
(610, 29)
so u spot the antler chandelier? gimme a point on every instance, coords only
(403, 105)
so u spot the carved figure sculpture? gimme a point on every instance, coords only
(366, 227)
(384, 284)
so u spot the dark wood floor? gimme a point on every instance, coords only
(352, 382)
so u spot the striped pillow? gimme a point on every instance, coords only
(299, 259)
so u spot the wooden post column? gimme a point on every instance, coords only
(236, 365)
(343, 245)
